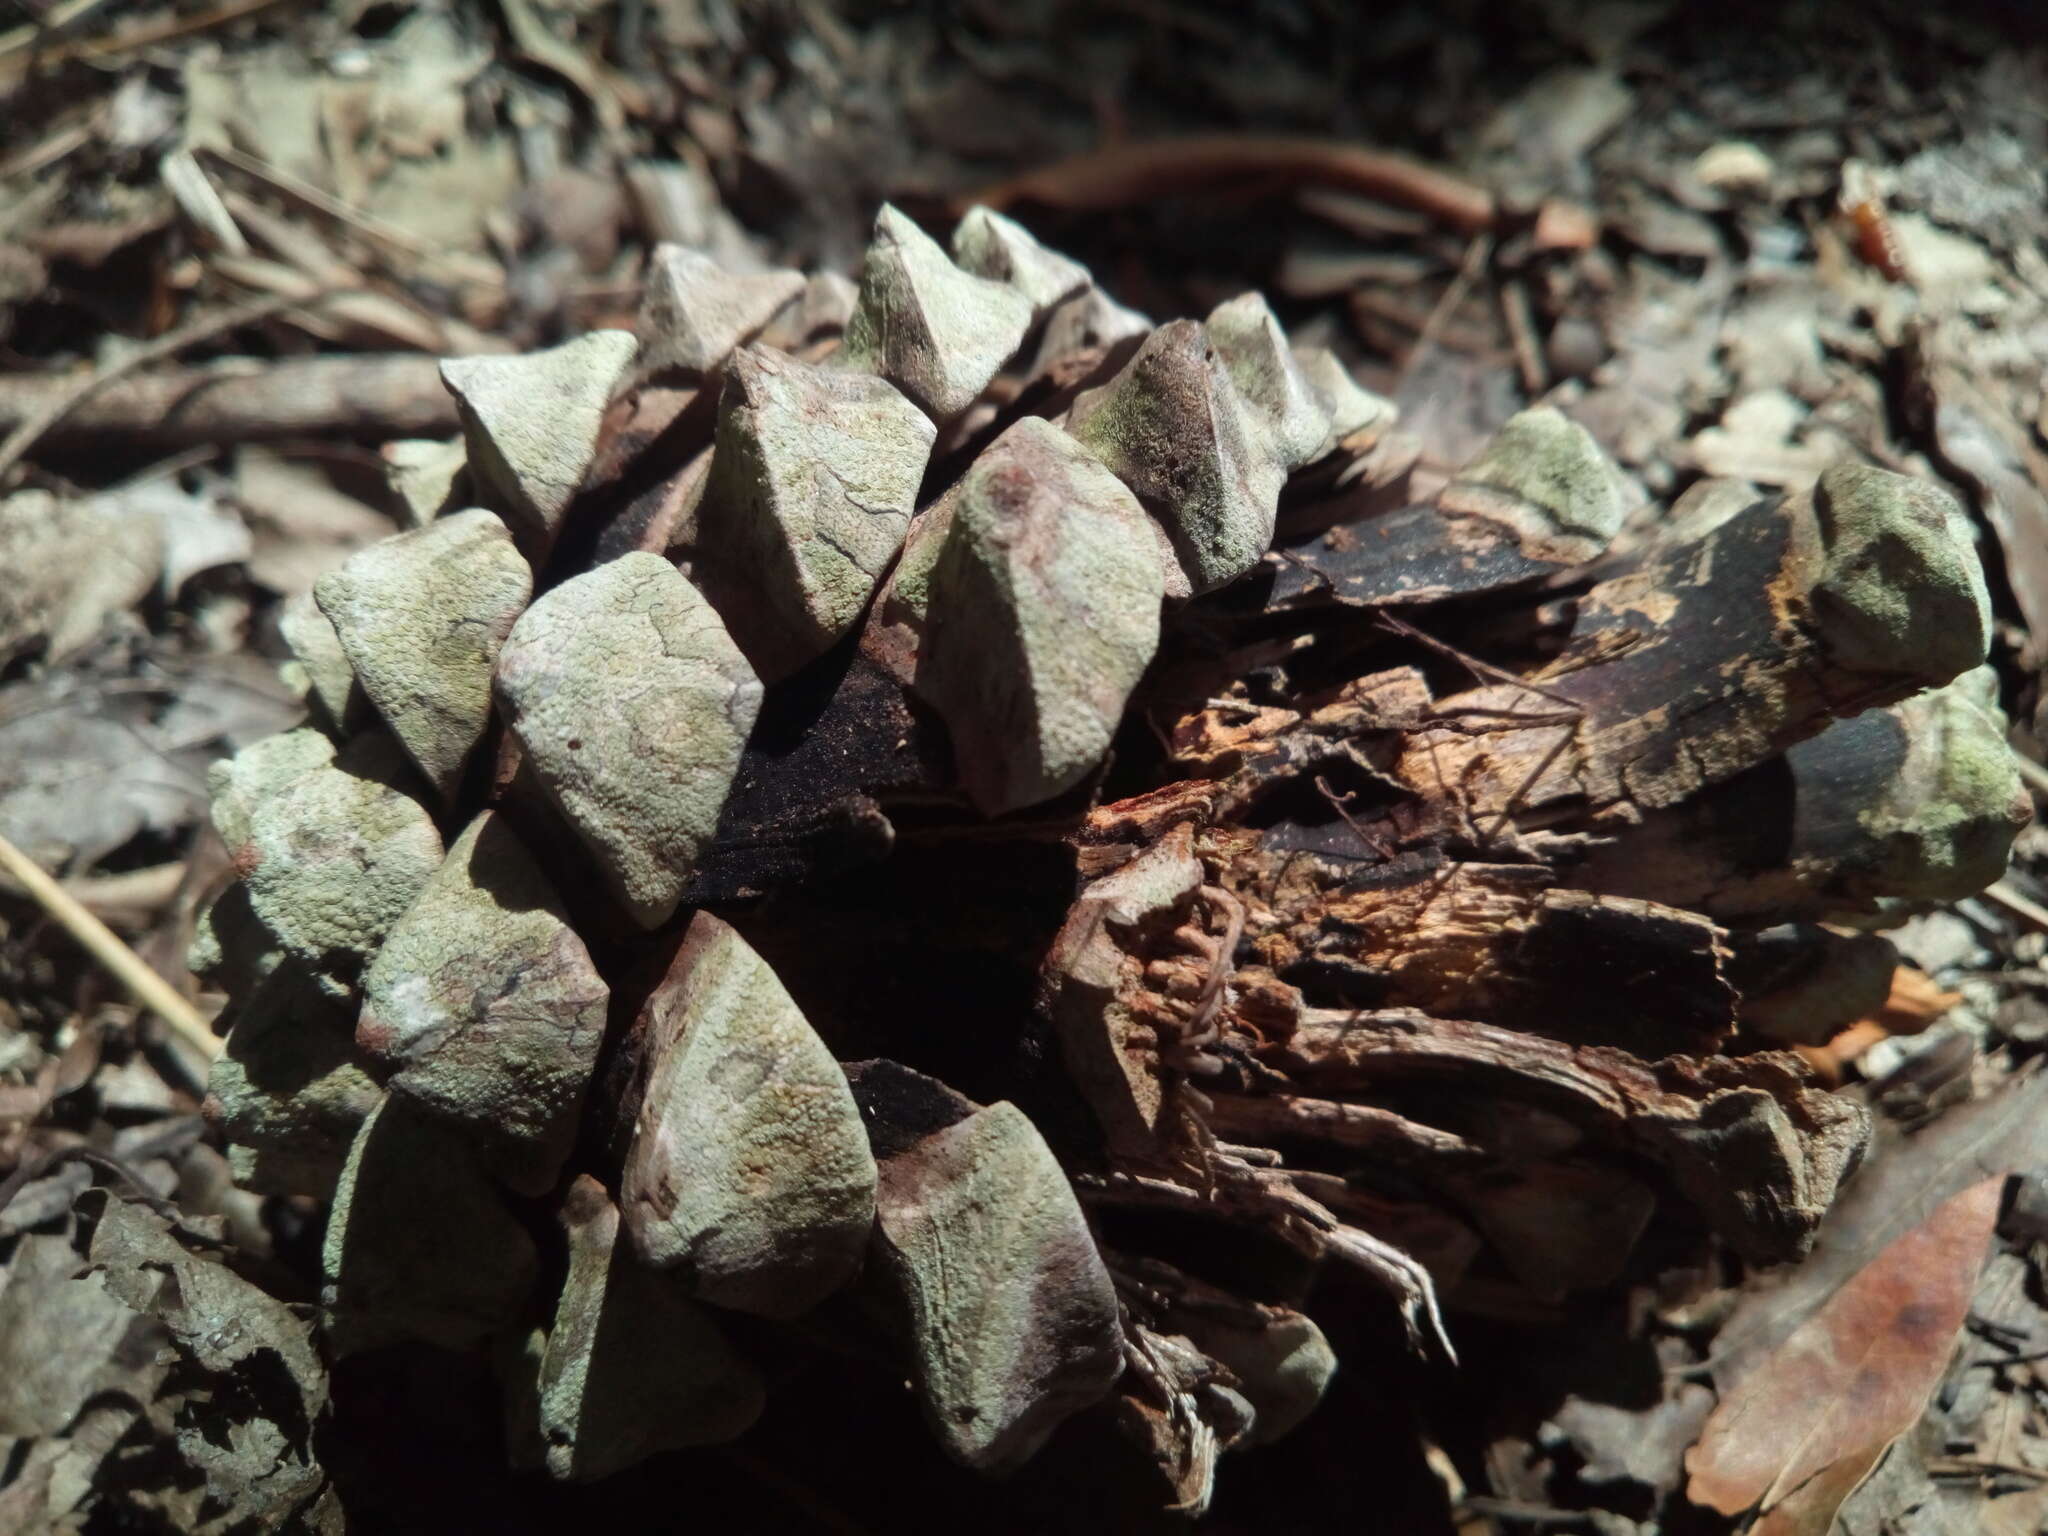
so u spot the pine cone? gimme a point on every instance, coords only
(1037, 833)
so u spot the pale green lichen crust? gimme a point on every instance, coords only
(1004, 251)
(1172, 427)
(1946, 826)
(1012, 1316)
(937, 333)
(1044, 614)
(1900, 590)
(290, 1091)
(694, 312)
(237, 785)
(337, 855)
(1351, 406)
(419, 1243)
(633, 705)
(812, 484)
(749, 1167)
(486, 1006)
(424, 472)
(332, 681)
(631, 1365)
(1248, 338)
(531, 421)
(420, 616)
(1561, 494)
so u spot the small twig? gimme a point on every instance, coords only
(1476, 256)
(1340, 804)
(2003, 894)
(30, 431)
(1221, 964)
(1486, 669)
(1120, 174)
(1964, 1466)
(135, 38)
(100, 941)
(1521, 323)
(374, 395)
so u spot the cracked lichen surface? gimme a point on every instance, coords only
(1044, 612)
(421, 616)
(238, 785)
(486, 1004)
(1254, 350)
(336, 856)
(695, 312)
(1351, 406)
(750, 1166)
(531, 421)
(939, 334)
(317, 648)
(631, 1366)
(989, 245)
(813, 482)
(1173, 428)
(1561, 493)
(419, 1243)
(1012, 1315)
(633, 705)
(290, 1092)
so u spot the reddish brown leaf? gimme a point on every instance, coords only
(1798, 1433)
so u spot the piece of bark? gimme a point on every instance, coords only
(421, 616)
(1109, 1021)
(749, 1171)
(531, 423)
(420, 1243)
(1540, 497)
(934, 331)
(1749, 1140)
(1281, 1362)
(1181, 1410)
(1706, 660)
(1172, 426)
(695, 313)
(633, 706)
(1044, 612)
(810, 493)
(1892, 810)
(1802, 983)
(1011, 1315)
(632, 1366)
(484, 1005)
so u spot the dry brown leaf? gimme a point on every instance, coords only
(1798, 1433)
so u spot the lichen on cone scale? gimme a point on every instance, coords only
(831, 892)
